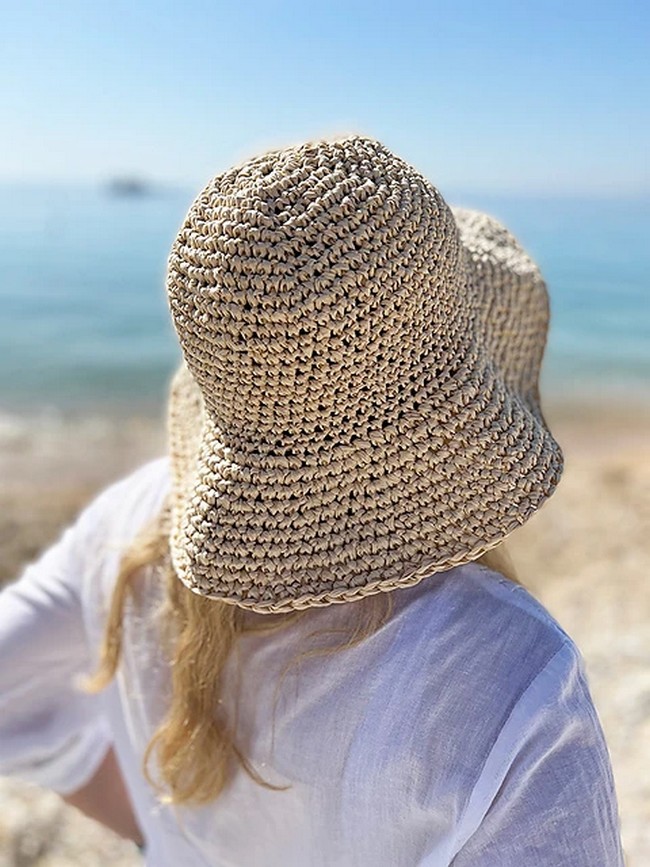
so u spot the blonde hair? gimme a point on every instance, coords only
(195, 751)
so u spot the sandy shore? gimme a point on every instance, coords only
(586, 555)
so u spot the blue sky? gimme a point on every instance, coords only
(500, 96)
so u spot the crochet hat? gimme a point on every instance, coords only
(358, 406)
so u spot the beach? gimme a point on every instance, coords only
(585, 555)
(290, 266)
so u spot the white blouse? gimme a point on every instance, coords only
(460, 733)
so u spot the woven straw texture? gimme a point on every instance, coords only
(358, 407)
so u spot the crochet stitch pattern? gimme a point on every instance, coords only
(359, 406)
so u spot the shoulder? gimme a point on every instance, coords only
(124, 507)
(485, 617)
(109, 523)
(543, 752)
(147, 483)
(466, 656)
(117, 514)
(104, 531)
(469, 646)
(106, 523)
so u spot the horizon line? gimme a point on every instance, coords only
(156, 186)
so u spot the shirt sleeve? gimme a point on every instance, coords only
(51, 732)
(545, 797)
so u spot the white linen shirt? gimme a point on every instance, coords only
(461, 733)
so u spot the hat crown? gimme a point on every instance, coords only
(307, 282)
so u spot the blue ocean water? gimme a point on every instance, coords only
(85, 324)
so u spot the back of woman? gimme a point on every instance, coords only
(337, 678)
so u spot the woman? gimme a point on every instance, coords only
(311, 653)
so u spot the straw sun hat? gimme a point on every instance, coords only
(358, 406)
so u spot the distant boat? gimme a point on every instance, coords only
(129, 187)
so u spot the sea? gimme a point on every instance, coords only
(84, 324)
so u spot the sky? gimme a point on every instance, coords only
(506, 96)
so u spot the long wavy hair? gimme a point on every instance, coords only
(195, 750)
